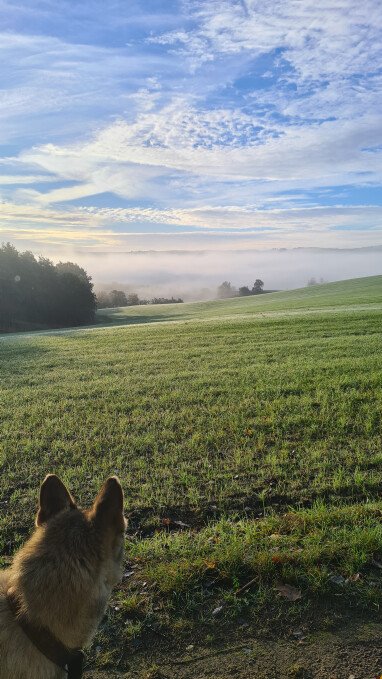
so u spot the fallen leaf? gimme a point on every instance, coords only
(289, 592)
(166, 522)
(354, 578)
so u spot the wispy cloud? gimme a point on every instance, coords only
(218, 227)
(178, 156)
(192, 116)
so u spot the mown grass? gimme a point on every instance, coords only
(260, 432)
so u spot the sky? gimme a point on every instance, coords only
(188, 125)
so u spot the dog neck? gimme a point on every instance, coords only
(57, 592)
(69, 660)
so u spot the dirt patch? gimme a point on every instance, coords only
(354, 652)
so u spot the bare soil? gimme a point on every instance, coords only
(352, 652)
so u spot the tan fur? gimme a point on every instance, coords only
(63, 576)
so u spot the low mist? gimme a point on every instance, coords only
(196, 274)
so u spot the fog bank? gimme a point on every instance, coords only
(196, 274)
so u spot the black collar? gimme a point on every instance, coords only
(69, 660)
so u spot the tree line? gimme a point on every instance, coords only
(118, 298)
(227, 290)
(37, 294)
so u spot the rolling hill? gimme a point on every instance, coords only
(349, 293)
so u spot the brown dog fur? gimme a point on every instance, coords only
(62, 576)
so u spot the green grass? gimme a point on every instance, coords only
(255, 421)
(356, 292)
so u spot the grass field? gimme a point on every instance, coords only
(358, 292)
(256, 422)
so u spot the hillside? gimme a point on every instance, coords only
(350, 293)
(248, 440)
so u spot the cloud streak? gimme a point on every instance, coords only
(190, 120)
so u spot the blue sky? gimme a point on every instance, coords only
(182, 124)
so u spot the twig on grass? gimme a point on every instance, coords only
(206, 656)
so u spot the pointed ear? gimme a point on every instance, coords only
(107, 511)
(54, 497)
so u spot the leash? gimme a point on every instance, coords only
(71, 661)
(76, 666)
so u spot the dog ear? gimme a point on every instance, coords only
(107, 511)
(54, 497)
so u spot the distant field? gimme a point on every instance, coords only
(352, 293)
(259, 428)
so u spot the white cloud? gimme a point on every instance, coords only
(284, 99)
(328, 51)
(63, 86)
(17, 179)
(320, 40)
(122, 160)
(96, 227)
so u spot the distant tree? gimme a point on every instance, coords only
(103, 300)
(311, 281)
(118, 298)
(166, 300)
(244, 291)
(226, 290)
(132, 299)
(257, 287)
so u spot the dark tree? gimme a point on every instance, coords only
(132, 299)
(34, 293)
(73, 287)
(257, 287)
(75, 269)
(118, 298)
(244, 291)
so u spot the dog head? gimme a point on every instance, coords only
(64, 574)
(101, 528)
